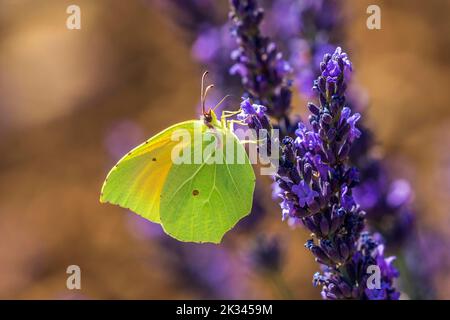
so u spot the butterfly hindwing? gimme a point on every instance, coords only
(201, 202)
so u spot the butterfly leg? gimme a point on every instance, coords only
(227, 114)
(249, 141)
(230, 124)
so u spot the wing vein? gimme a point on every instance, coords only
(188, 180)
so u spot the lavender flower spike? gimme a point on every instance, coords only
(257, 60)
(317, 181)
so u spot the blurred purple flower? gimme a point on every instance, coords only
(399, 193)
(142, 228)
(367, 194)
(265, 255)
(121, 137)
(215, 270)
(207, 45)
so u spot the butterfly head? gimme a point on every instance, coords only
(210, 118)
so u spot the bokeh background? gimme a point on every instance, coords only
(73, 101)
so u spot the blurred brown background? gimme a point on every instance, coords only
(62, 92)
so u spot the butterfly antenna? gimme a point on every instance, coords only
(202, 92)
(204, 96)
(221, 101)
